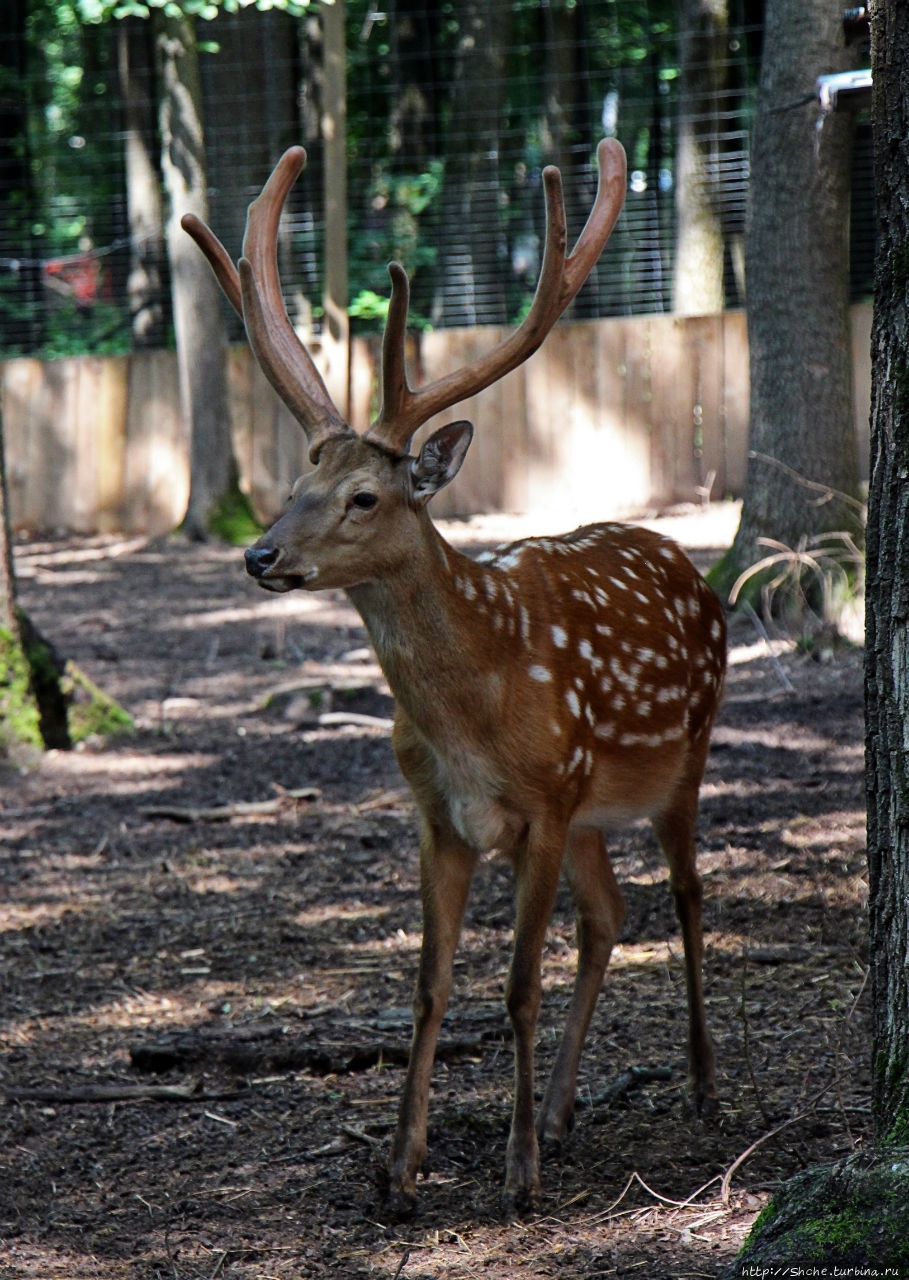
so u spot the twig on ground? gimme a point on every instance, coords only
(337, 718)
(118, 1093)
(628, 1080)
(762, 632)
(227, 812)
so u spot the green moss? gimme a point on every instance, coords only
(91, 711)
(19, 720)
(761, 1222)
(45, 669)
(233, 520)
(851, 1213)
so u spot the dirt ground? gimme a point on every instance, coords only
(210, 932)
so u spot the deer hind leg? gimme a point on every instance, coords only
(600, 912)
(675, 830)
(537, 868)
(446, 867)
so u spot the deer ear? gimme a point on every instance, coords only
(440, 459)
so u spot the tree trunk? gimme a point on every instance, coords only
(145, 286)
(249, 90)
(20, 715)
(567, 139)
(797, 259)
(471, 265)
(887, 651)
(20, 284)
(700, 242)
(855, 1213)
(198, 319)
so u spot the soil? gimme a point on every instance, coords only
(210, 932)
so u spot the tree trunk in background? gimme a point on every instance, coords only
(20, 721)
(249, 90)
(797, 279)
(567, 138)
(414, 130)
(700, 242)
(887, 649)
(145, 286)
(20, 287)
(335, 292)
(866, 1195)
(471, 245)
(198, 319)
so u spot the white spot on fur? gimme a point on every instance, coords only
(560, 637)
(542, 674)
(573, 703)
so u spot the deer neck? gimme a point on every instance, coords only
(423, 626)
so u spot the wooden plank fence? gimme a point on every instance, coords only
(608, 418)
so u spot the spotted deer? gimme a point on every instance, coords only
(562, 686)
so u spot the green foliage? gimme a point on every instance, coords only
(91, 712)
(19, 721)
(94, 11)
(395, 233)
(101, 330)
(233, 520)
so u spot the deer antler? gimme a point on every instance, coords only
(404, 410)
(254, 290)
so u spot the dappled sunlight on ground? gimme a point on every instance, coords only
(241, 877)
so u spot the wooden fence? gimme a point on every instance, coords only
(608, 418)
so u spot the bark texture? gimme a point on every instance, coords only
(855, 1213)
(887, 613)
(198, 319)
(850, 1215)
(471, 248)
(797, 257)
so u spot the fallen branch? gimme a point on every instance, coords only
(275, 1051)
(227, 812)
(117, 1093)
(337, 718)
(629, 1080)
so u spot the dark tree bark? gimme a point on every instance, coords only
(796, 260)
(567, 136)
(887, 612)
(700, 240)
(198, 319)
(20, 286)
(470, 274)
(855, 1213)
(32, 705)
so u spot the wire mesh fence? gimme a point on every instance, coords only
(451, 113)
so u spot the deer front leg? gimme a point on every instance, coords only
(675, 829)
(600, 912)
(537, 877)
(446, 866)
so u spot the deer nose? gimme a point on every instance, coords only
(260, 559)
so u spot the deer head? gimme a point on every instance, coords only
(356, 515)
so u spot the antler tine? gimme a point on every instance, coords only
(282, 356)
(218, 257)
(403, 410)
(603, 216)
(395, 391)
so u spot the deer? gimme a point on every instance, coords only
(560, 687)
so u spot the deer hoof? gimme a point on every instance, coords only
(400, 1205)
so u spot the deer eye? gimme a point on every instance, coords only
(364, 500)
